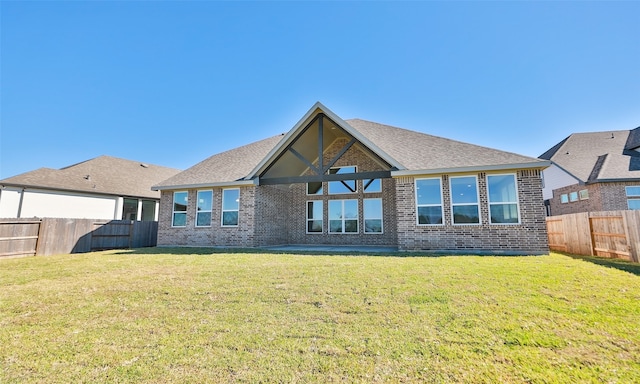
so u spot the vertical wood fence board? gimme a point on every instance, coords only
(608, 234)
(50, 236)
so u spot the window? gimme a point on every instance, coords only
(429, 201)
(314, 216)
(372, 212)
(148, 210)
(130, 209)
(342, 186)
(230, 207)
(464, 200)
(343, 216)
(564, 198)
(372, 185)
(204, 208)
(179, 209)
(584, 194)
(633, 197)
(314, 188)
(503, 199)
(573, 196)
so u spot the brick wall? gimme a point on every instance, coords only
(242, 235)
(602, 197)
(527, 237)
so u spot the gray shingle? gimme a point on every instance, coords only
(103, 175)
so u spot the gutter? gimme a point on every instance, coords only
(476, 168)
(236, 183)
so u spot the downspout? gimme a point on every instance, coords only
(20, 203)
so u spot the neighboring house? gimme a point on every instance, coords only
(101, 188)
(334, 182)
(595, 171)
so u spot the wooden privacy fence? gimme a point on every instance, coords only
(614, 234)
(49, 236)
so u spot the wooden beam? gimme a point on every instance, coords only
(307, 162)
(339, 155)
(325, 177)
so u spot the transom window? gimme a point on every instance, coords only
(343, 216)
(503, 199)
(372, 185)
(342, 186)
(372, 213)
(429, 201)
(464, 200)
(314, 216)
(633, 197)
(230, 207)
(179, 218)
(314, 188)
(204, 207)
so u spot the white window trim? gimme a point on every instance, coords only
(222, 210)
(632, 197)
(306, 190)
(564, 202)
(308, 219)
(173, 211)
(209, 211)
(517, 202)
(576, 195)
(465, 204)
(581, 194)
(355, 167)
(364, 218)
(415, 190)
(357, 232)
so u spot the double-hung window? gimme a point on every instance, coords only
(230, 207)
(314, 216)
(372, 213)
(203, 208)
(503, 199)
(342, 186)
(179, 218)
(464, 200)
(343, 216)
(633, 197)
(429, 201)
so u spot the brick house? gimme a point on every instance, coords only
(333, 182)
(594, 171)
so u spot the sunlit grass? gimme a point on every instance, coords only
(185, 315)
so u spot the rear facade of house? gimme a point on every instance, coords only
(334, 182)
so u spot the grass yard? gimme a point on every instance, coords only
(186, 315)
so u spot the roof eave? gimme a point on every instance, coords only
(614, 180)
(476, 168)
(236, 183)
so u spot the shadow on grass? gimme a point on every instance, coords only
(263, 251)
(622, 265)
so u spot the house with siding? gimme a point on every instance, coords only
(328, 181)
(106, 188)
(593, 171)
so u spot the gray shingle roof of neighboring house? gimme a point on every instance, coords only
(101, 175)
(412, 151)
(598, 156)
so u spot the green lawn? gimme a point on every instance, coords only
(186, 315)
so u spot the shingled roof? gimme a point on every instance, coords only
(410, 152)
(598, 156)
(101, 175)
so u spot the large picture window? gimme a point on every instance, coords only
(314, 216)
(343, 216)
(503, 199)
(230, 207)
(464, 200)
(342, 186)
(429, 201)
(633, 197)
(372, 212)
(180, 200)
(203, 208)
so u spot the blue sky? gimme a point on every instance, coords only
(173, 82)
